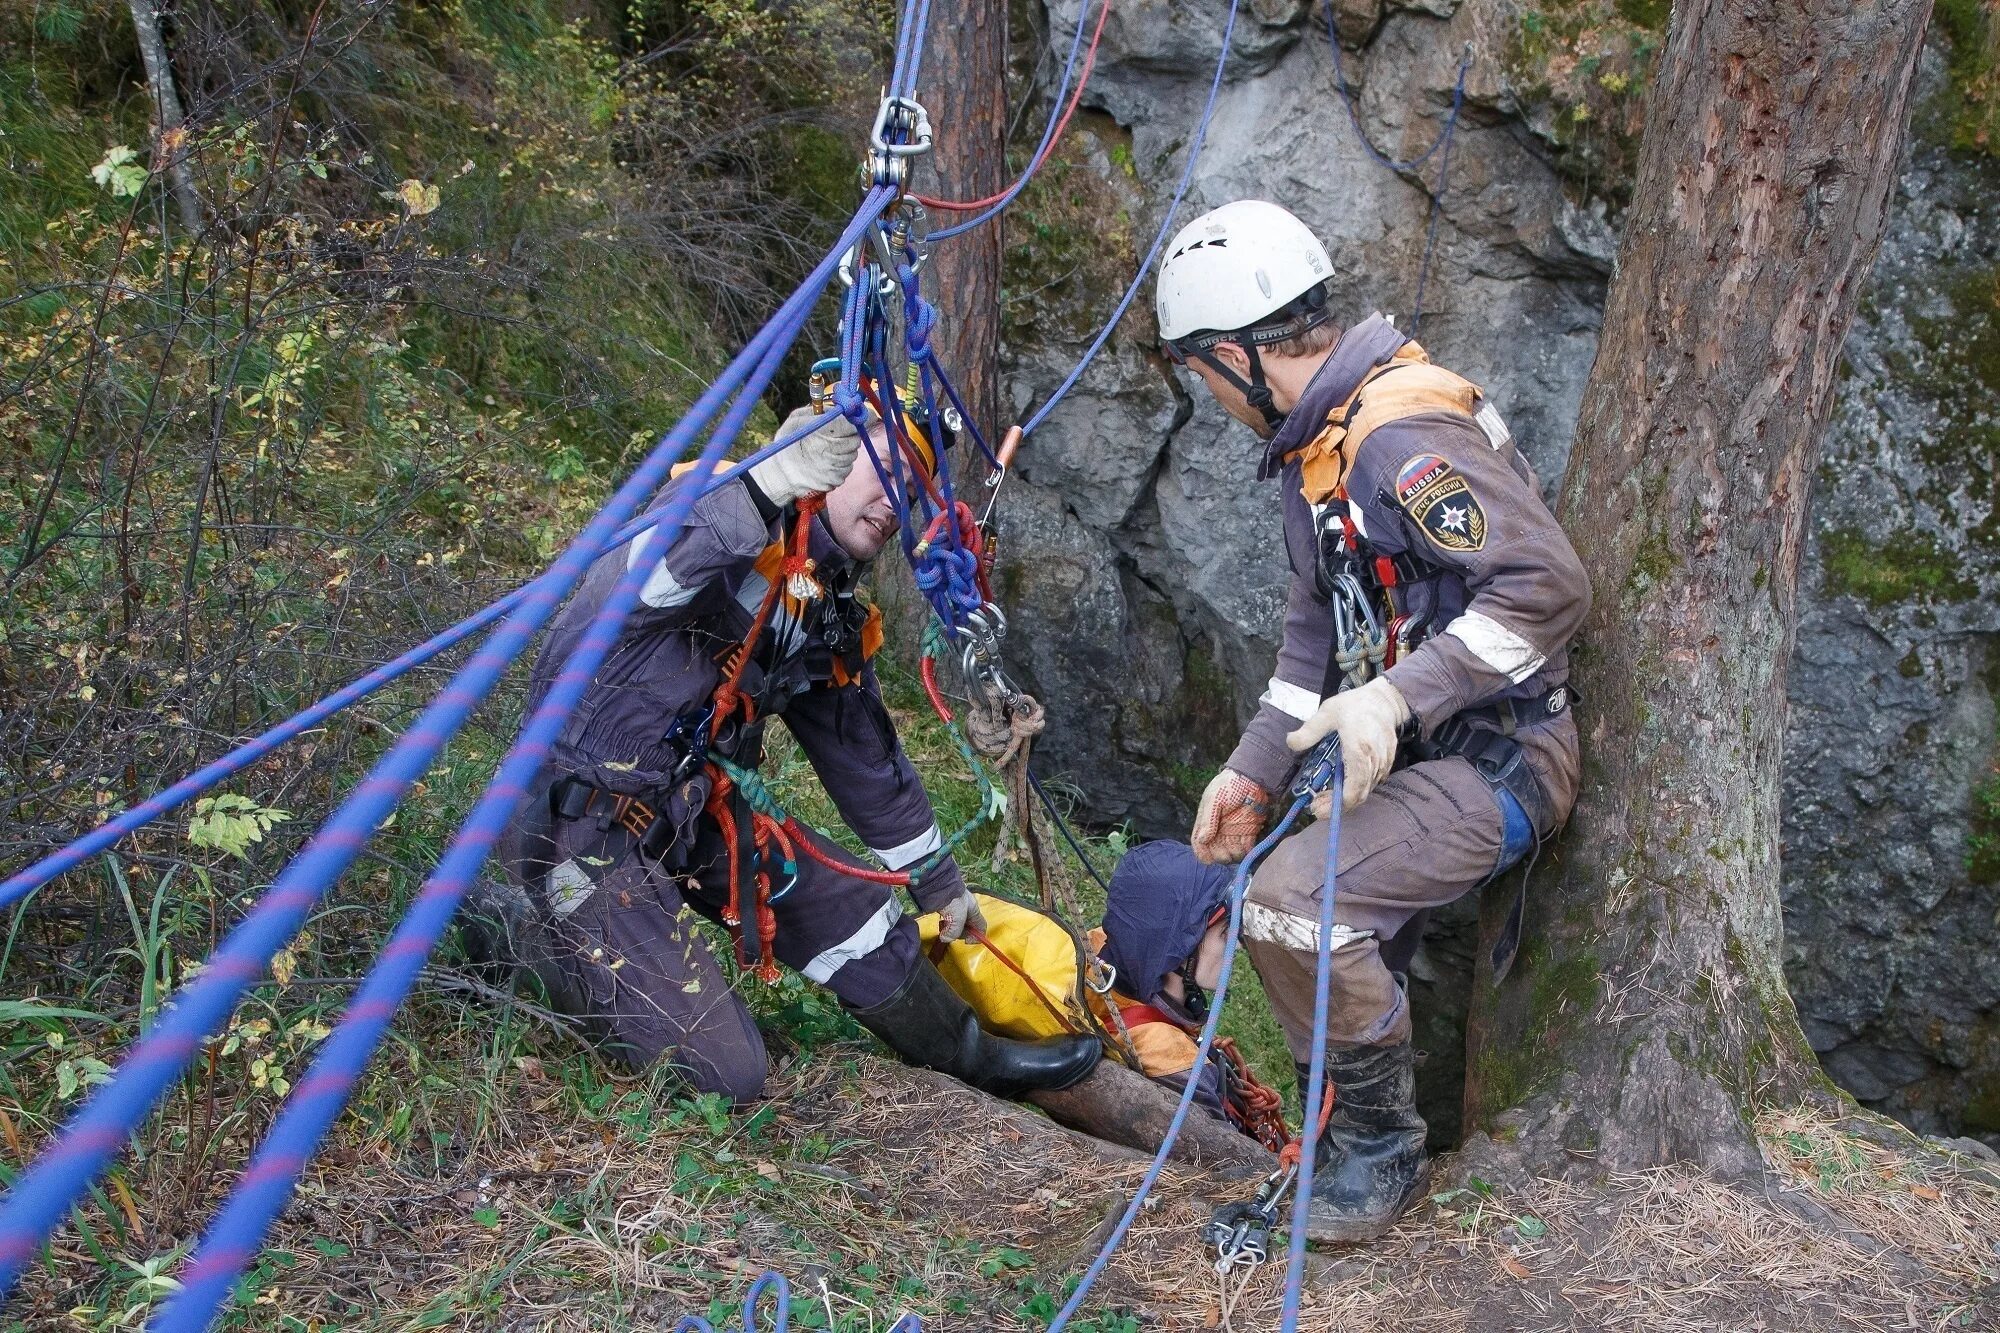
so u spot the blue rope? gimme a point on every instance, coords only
(1159, 240)
(775, 1283)
(923, 25)
(1295, 1258)
(1152, 1176)
(1048, 133)
(1441, 145)
(18, 886)
(239, 1230)
(43, 1194)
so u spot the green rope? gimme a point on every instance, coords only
(992, 802)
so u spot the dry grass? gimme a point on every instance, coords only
(877, 1191)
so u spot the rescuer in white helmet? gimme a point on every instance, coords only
(1432, 601)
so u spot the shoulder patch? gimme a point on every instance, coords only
(1442, 504)
(1418, 473)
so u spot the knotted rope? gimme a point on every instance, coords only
(1003, 730)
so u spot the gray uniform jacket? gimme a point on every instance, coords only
(699, 601)
(1451, 490)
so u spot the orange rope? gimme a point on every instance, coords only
(1289, 1154)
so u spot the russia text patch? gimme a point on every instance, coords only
(1442, 504)
(1418, 473)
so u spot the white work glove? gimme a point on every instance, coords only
(959, 914)
(1230, 820)
(1367, 719)
(819, 462)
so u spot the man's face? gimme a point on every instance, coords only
(1227, 394)
(858, 513)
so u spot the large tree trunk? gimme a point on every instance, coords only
(1651, 1015)
(964, 89)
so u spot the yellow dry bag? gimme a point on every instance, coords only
(1024, 979)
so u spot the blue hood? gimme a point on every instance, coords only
(1160, 902)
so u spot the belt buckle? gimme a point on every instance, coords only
(633, 815)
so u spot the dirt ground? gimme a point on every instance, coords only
(876, 1191)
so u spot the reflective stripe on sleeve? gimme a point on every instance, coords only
(908, 853)
(1497, 646)
(860, 944)
(1294, 701)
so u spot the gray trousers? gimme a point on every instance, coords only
(1424, 837)
(613, 939)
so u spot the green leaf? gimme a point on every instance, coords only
(1531, 1227)
(120, 172)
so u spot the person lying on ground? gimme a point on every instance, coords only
(1166, 920)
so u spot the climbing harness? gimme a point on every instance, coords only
(887, 226)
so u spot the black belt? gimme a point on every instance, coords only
(573, 798)
(1484, 737)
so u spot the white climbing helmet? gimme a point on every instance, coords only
(1233, 267)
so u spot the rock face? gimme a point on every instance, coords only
(1144, 573)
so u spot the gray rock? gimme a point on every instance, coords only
(1143, 566)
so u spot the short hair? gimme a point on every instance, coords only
(1317, 339)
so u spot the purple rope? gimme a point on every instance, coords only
(24, 882)
(1159, 240)
(1295, 1256)
(1207, 1043)
(239, 1229)
(1035, 163)
(44, 1193)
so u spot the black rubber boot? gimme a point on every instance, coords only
(927, 1024)
(1370, 1163)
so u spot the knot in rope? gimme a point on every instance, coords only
(919, 319)
(1002, 729)
(847, 397)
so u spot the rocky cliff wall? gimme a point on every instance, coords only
(1142, 561)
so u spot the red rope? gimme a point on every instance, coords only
(1076, 96)
(1289, 1155)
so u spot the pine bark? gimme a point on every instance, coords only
(963, 86)
(1650, 1017)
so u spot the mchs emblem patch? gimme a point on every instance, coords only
(1441, 503)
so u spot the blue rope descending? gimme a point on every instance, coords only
(1159, 1164)
(1160, 238)
(239, 1229)
(1035, 162)
(937, 539)
(44, 1193)
(1316, 1089)
(1439, 145)
(18, 886)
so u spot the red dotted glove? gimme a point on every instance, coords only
(1230, 820)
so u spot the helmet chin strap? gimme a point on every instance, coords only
(1254, 390)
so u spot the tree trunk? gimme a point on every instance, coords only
(1127, 1108)
(1650, 1016)
(169, 148)
(964, 89)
